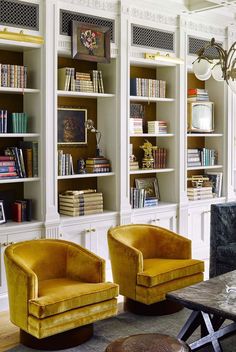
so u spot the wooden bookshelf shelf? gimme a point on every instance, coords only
(150, 171)
(100, 174)
(19, 180)
(62, 93)
(150, 99)
(10, 90)
(152, 135)
(23, 135)
(205, 167)
(192, 135)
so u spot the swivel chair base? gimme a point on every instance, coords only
(64, 340)
(160, 308)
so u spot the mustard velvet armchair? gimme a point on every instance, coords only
(148, 262)
(56, 286)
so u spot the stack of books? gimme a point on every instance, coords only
(13, 76)
(7, 167)
(65, 164)
(157, 127)
(133, 165)
(97, 165)
(135, 125)
(22, 210)
(19, 122)
(137, 197)
(193, 157)
(160, 157)
(78, 203)
(197, 94)
(83, 82)
(66, 78)
(137, 111)
(199, 193)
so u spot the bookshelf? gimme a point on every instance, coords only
(99, 109)
(155, 108)
(25, 98)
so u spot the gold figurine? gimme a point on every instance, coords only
(148, 160)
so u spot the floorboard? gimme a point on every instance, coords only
(9, 333)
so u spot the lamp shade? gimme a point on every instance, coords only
(217, 72)
(232, 84)
(204, 77)
(201, 67)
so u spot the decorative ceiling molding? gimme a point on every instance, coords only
(104, 5)
(202, 28)
(148, 15)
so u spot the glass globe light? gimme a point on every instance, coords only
(202, 67)
(232, 84)
(217, 72)
(204, 77)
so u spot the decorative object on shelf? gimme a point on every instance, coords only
(89, 125)
(81, 166)
(201, 116)
(21, 37)
(165, 58)
(71, 126)
(90, 42)
(148, 160)
(2, 213)
(197, 180)
(150, 185)
(222, 69)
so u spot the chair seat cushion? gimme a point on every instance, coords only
(157, 271)
(60, 295)
(226, 254)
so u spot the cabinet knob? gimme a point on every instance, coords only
(93, 230)
(206, 212)
(4, 244)
(87, 230)
(11, 242)
(60, 235)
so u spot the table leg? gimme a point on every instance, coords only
(194, 320)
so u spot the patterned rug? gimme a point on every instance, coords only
(125, 324)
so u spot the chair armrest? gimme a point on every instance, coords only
(172, 245)
(84, 265)
(22, 285)
(127, 262)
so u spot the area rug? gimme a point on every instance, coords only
(125, 324)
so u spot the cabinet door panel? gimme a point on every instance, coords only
(165, 219)
(199, 231)
(3, 244)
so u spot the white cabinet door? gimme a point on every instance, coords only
(3, 244)
(199, 231)
(166, 219)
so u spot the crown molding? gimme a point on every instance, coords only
(149, 15)
(201, 28)
(105, 5)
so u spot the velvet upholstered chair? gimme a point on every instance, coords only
(149, 261)
(56, 290)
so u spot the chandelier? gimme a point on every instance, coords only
(222, 69)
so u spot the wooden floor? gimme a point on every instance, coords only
(9, 333)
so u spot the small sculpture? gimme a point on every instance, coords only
(148, 160)
(81, 166)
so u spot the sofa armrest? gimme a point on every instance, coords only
(83, 265)
(172, 245)
(22, 285)
(127, 262)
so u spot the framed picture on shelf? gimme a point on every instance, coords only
(71, 126)
(150, 184)
(2, 213)
(90, 42)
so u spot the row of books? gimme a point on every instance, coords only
(160, 157)
(20, 162)
(201, 157)
(197, 94)
(138, 198)
(97, 165)
(16, 122)
(144, 87)
(13, 76)
(135, 125)
(157, 127)
(70, 80)
(65, 164)
(137, 110)
(215, 178)
(22, 210)
(79, 203)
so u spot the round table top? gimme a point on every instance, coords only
(147, 343)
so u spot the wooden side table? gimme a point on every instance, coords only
(148, 343)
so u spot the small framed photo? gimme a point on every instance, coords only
(150, 184)
(90, 42)
(71, 126)
(2, 213)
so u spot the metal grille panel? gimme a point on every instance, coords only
(152, 38)
(21, 14)
(195, 44)
(66, 18)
